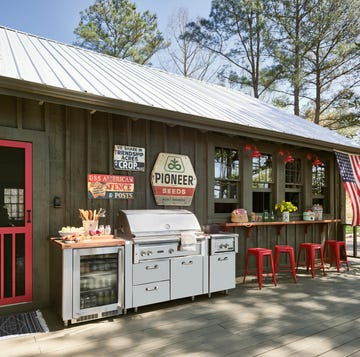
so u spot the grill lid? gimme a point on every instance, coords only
(157, 223)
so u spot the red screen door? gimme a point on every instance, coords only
(15, 222)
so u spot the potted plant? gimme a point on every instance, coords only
(285, 207)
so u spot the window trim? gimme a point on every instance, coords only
(271, 183)
(212, 201)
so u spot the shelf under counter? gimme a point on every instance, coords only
(278, 224)
(94, 242)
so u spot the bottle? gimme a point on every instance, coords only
(93, 300)
(265, 216)
(112, 296)
(87, 302)
(272, 216)
(100, 298)
(106, 297)
(82, 303)
(107, 229)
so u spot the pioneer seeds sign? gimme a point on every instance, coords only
(173, 180)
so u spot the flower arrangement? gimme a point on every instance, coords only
(284, 206)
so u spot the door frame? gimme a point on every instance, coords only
(27, 230)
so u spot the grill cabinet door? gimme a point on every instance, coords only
(222, 272)
(186, 276)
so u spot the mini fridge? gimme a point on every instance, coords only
(92, 283)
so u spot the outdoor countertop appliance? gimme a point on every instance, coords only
(166, 258)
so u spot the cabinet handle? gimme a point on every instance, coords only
(187, 263)
(153, 289)
(222, 259)
(153, 267)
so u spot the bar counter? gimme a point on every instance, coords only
(279, 224)
(269, 234)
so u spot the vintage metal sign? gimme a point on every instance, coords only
(173, 180)
(129, 158)
(110, 186)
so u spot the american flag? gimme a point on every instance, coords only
(349, 166)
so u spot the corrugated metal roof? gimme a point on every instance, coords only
(42, 61)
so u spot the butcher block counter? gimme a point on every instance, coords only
(94, 242)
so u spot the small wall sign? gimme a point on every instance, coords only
(110, 186)
(129, 158)
(173, 180)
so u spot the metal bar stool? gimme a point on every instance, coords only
(259, 254)
(286, 249)
(310, 250)
(335, 252)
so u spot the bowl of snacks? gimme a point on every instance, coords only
(68, 231)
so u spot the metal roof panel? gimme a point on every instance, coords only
(50, 63)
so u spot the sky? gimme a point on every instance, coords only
(57, 19)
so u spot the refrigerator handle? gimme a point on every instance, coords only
(120, 278)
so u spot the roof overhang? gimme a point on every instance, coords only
(84, 100)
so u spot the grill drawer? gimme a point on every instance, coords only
(151, 293)
(149, 271)
(223, 242)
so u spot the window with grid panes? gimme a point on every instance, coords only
(226, 180)
(293, 183)
(262, 182)
(14, 203)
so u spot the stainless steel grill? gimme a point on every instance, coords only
(168, 252)
(157, 225)
(157, 234)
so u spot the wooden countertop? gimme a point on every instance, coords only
(279, 224)
(94, 242)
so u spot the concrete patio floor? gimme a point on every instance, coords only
(315, 317)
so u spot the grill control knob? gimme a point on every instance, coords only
(143, 253)
(149, 252)
(171, 251)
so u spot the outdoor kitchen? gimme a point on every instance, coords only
(158, 255)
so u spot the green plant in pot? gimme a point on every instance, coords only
(285, 207)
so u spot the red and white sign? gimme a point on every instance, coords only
(110, 186)
(173, 180)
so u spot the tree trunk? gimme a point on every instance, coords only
(317, 97)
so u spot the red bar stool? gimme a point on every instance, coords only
(310, 250)
(259, 254)
(287, 249)
(335, 250)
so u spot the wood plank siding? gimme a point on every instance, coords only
(70, 142)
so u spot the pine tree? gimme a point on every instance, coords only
(116, 28)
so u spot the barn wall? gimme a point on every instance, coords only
(69, 143)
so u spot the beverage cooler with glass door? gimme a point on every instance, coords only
(87, 282)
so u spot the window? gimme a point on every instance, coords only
(262, 182)
(319, 184)
(293, 183)
(14, 204)
(226, 181)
